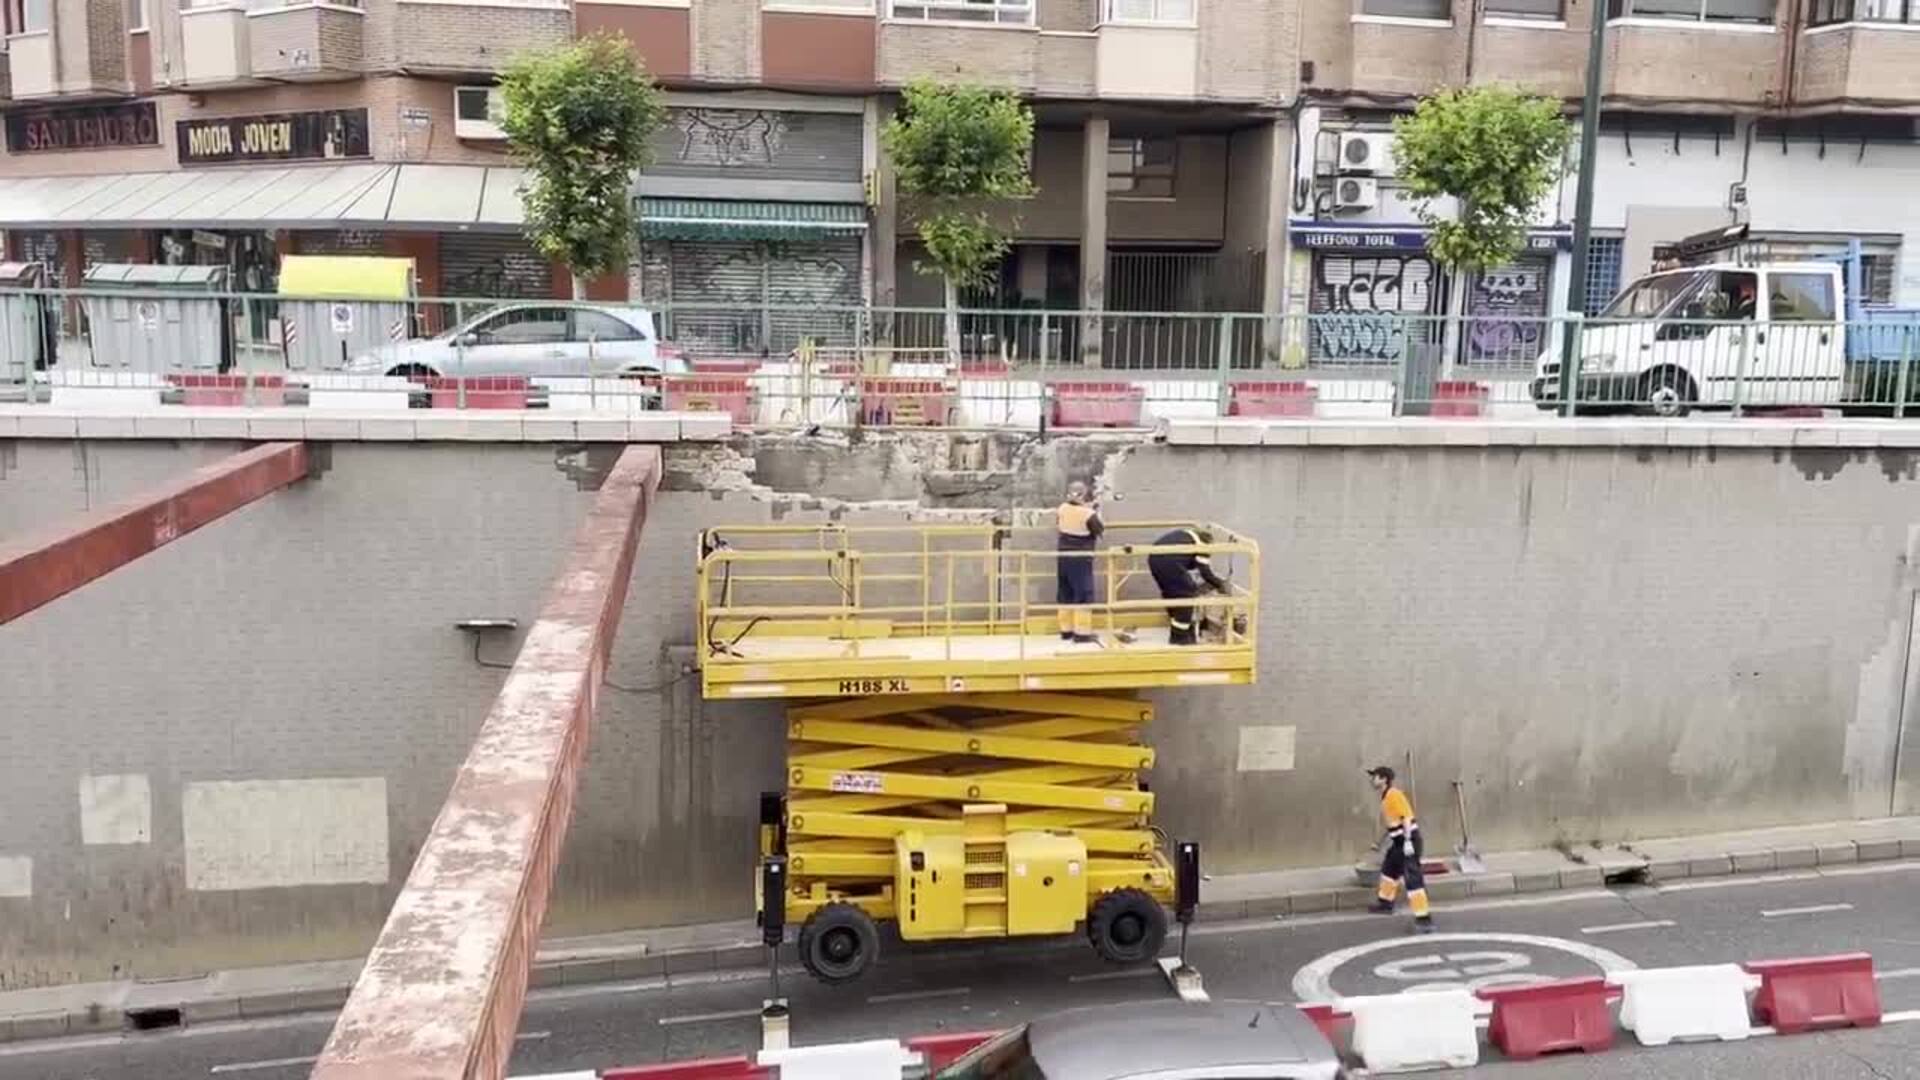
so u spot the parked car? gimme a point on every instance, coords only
(1157, 1040)
(537, 340)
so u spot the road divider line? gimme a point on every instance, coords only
(1122, 973)
(533, 1036)
(1811, 909)
(256, 1066)
(1900, 1017)
(919, 995)
(1898, 973)
(709, 1018)
(1616, 928)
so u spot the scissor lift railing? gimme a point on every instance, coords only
(934, 693)
(824, 610)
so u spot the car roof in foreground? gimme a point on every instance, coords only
(1108, 1042)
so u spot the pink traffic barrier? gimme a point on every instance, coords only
(731, 1068)
(1458, 399)
(482, 391)
(1293, 398)
(197, 389)
(898, 400)
(1568, 1014)
(1097, 404)
(1328, 1018)
(1816, 992)
(730, 394)
(944, 1050)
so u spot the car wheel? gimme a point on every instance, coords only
(1668, 392)
(838, 943)
(1127, 927)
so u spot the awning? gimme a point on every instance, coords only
(435, 197)
(714, 219)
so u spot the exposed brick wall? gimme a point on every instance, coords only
(1002, 56)
(1861, 65)
(1243, 50)
(458, 37)
(331, 40)
(1069, 14)
(1694, 65)
(726, 40)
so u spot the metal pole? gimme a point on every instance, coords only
(1223, 350)
(1583, 199)
(1900, 378)
(1740, 375)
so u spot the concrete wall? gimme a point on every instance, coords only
(227, 752)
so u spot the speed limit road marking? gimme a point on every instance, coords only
(1450, 961)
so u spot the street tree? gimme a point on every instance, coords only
(955, 150)
(1496, 152)
(580, 118)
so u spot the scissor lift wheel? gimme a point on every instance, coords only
(838, 943)
(1127, 927)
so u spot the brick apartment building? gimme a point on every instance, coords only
(1223, 155)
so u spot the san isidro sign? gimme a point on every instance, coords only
(1336, 238)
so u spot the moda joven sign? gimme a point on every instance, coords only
(335, 133)
(92, 128)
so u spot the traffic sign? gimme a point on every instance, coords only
(341, 315)
(149, 313)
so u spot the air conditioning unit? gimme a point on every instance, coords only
(1365, 153)
(1356, 193)
(476, 113)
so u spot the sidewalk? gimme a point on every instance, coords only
(89, 1008)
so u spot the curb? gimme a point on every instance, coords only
(133, 1007)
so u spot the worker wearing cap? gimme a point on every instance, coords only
(1404, 848)
(1079, 525)
(1174, 573)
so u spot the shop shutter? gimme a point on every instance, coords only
(1360, 303)
(1506, 309)
(493, 267)
(814, 286)
(719, 296)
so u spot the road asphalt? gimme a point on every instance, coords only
(927, 989)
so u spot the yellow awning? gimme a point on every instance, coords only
(355, 277)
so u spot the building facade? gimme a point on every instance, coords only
(1191, 155)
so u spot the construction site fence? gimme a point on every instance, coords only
(774, 367)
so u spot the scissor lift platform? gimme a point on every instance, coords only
(939, 719)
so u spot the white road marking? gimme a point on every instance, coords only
(1615, 928)
(919, 995)
(708, 1018)
(1900, 1017)
(255, 1066)
(1898, 973)
(533, 1036)
(1811, 909)
(1314, 981)
(1122, 973)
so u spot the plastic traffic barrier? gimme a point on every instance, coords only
(1708, 1001)
(1293, 398)
(730, 394)
(729, 1068)
(892, 399)
(1419, 1030)
(482, 391)
(1816, 992)
(1458, 398)
(1097, 404)
(943, 1050)
(229, 389)
(1567, 1014)
(875, 1059)
(1328, 1018)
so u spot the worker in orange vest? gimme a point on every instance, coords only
(1079, 525)
(1404, 848)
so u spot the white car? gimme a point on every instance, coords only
(537, 340)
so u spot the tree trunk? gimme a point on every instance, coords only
(579, 287)
(952, 320)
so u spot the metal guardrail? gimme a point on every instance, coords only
(803, 367)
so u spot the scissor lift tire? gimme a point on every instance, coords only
(839, 942)
(1127, 926)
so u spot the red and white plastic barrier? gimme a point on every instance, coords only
(1435, 1029)
(1705, 1001)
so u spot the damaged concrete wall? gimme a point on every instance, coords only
(1600, 642)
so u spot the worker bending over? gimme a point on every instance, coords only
(1078, 520)
(1404, 848)
(1174, 573)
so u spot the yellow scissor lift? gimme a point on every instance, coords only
(954, 764)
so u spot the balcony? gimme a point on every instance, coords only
(1860, 52)
(1147, 49)
(1720, 51)
(6, 78)
(306, 42)
(84, 54)
(30, 65)
(437, 36)
(993, 41)
(213, 47)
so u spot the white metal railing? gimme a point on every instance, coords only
(996, 12)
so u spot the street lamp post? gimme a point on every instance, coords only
(1583, 204)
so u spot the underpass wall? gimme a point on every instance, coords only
(227, 752)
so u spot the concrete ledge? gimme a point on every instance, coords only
(361, 425)
(1692, 433)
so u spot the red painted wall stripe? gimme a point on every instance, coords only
(43, 567)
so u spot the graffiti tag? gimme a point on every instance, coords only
(1361, 304)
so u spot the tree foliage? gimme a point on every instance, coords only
(580, 118)
(954, 148)
(1497, 151)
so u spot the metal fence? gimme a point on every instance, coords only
(843, 367)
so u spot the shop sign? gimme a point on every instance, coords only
(1318, 237)
(302, 136)
(93, 127)
(205, 239)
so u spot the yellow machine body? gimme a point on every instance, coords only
(987, 882)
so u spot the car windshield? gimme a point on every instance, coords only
(1003, 1057)
(1652, 296)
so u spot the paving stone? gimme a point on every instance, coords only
(1267, 907)
(1875, 850)
(1753, 862)
(1838, 854)
(1492, 885)
(1581, 877)
(1795, 858)
(1667, 870)
(1306, 903)
(1529, 881)
(1710, 866)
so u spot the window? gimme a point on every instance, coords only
(1432, 10)
(136, 15)
(1140, 168)
(1004, 12)
(1543, 10)
(27, 16)
(1801, 298)
(525, 326)
(600, 326)
(1876, 277)
(1603, 271)
(1749, 12)
(1830, 12)
(1176, 12)
(1835, 130)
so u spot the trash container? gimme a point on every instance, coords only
(27, 322)
(339, 306)
(162, 319)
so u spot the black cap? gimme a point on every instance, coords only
(1384, 772)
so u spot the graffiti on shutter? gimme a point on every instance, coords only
(1360, 306)
(719, 301)
(493, 267)
(340, 242)
(1506, 309)
(758, 143)
(814, 288)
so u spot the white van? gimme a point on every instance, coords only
(1773, 334)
